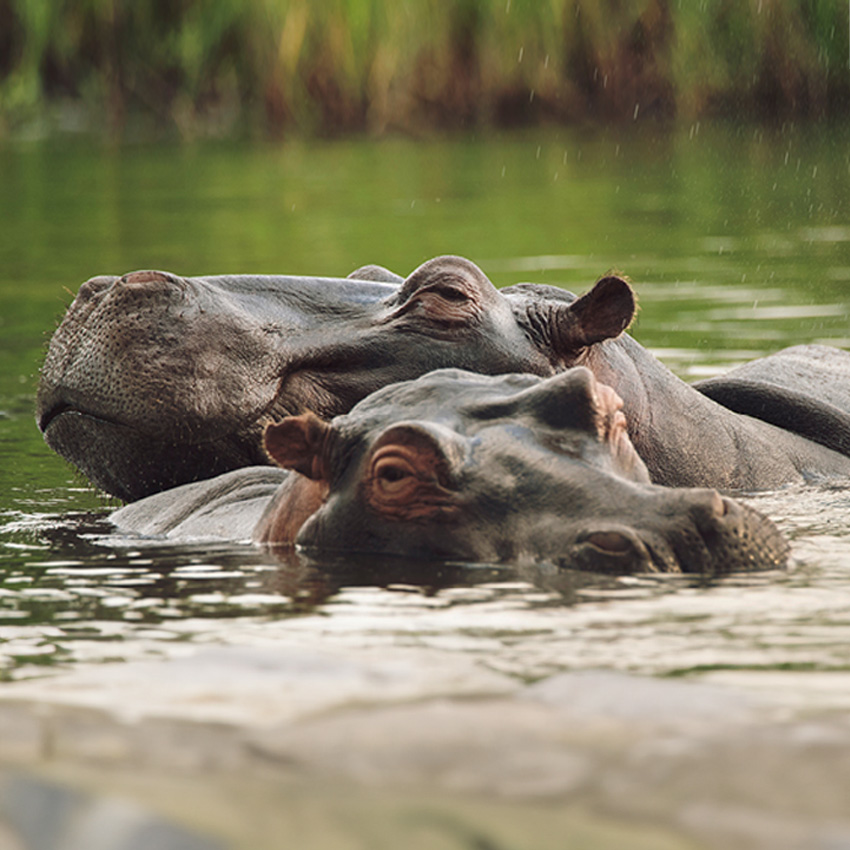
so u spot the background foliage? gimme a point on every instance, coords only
(276, 66)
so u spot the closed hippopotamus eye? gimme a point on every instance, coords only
(448, 291)
(442, 303)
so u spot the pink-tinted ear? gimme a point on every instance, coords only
(298, 442)
(603, 312)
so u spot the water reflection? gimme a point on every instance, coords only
(77, 567)
(74, 590)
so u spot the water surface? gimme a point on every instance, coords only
(737, 240)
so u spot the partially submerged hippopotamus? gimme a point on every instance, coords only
(459, 466)
(154, 380)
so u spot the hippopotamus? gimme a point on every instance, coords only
(154, 380)
(457, 466)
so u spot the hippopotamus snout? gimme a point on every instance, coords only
(683, 531)
(81, 363)
(152, 282)
(153, 378)
(115, 328)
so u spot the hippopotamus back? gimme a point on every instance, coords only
(804, 389)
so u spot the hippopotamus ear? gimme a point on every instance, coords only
(376, 273)
(298, 442)
(603, 312)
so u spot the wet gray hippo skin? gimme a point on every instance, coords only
(804, 389)
(771, 433)
(464, 467)
(457, 466)
(153, 380)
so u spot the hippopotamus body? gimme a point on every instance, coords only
(154, 380)
(456, 466)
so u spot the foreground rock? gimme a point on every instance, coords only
(238, 746)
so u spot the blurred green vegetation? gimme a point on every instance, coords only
(218, 67)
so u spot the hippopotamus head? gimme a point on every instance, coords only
(154, 380)
(464, 467)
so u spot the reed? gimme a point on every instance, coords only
(279, 66)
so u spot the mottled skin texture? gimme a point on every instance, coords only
(154, 380)
(509, 469)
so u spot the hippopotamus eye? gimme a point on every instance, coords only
(443, 303)
(392, 475)
(450, 293)
(407, 475)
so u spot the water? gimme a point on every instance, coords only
(737, 240)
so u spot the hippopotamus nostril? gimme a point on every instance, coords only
(719, 505)
(709, 509)
(149, 280)
(610, 542)
(149, 286)
(93, 286)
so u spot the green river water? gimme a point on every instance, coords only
(737, 240)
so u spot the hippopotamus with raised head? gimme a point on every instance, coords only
(459, 466)
(154, 380)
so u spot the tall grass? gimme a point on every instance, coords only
(335, 66)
